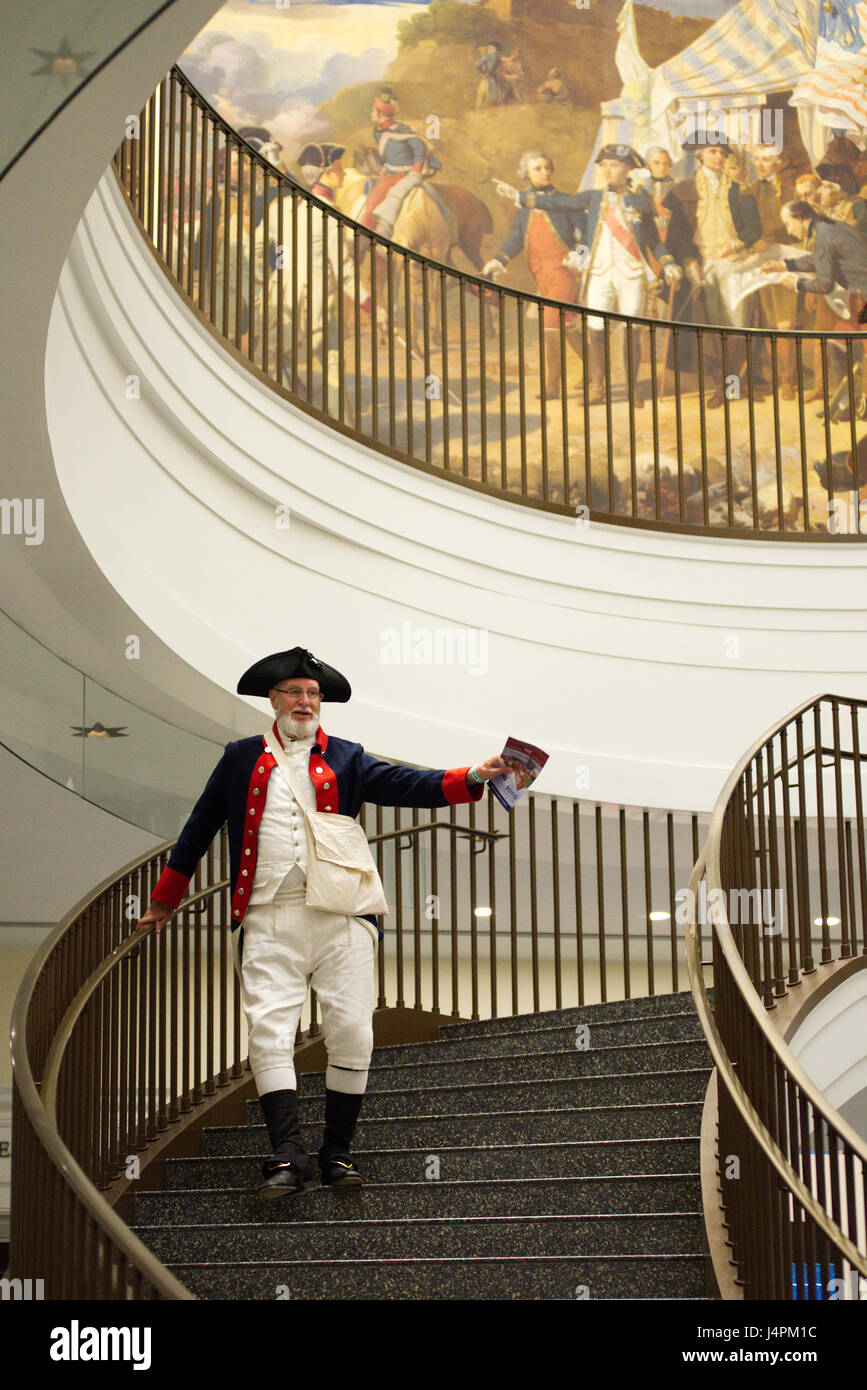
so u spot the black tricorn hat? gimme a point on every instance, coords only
(702, 140)
(255, 135)
(625, 153)
(321, 156)
(271, 670)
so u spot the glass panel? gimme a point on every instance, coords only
(149, 772)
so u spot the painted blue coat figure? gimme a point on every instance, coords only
(623, 254)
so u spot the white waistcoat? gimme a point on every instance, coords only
(282, 854)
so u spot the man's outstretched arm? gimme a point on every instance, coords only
(387, 785)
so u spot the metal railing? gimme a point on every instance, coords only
(118, 1036)
(787, 841)
(659, 424)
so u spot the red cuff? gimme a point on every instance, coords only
(455, 789)
(171, 888)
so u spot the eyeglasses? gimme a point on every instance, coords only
(295, 694)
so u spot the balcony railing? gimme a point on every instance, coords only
(659, 424)
(784, 864)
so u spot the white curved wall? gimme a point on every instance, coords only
(609, 646)
(831, 1045)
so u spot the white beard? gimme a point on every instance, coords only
(289, 728)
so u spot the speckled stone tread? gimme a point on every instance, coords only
(454, 1238)
(654, 1120)
(598, 1157)
(582, 1013)
(565, 1062)
(539, 1094)
(516, 1278)
(656, 1028)
(477, 1197)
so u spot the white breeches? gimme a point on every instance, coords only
(616, 292)
(287, 948)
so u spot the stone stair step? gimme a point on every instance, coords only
(452, 1238)
(581, 1013)
(542, 1093)
(497, 1197)
(620, 1060)
(558, 1037)
(598, 1157)
(516, 1126)
(543, 1277)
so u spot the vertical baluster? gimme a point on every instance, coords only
(648, 900)
(522, 397)
(820, 832)
(474, 921)
(672, 910)
(555, 880)
(534, 902)
(624, 908)
(600, 908)
(492, 903)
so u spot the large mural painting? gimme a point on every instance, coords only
(672, 162)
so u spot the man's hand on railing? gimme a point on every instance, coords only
(156, 916)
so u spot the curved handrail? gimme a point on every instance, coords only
(751, 1115)
(287, 318)
(781, 1089)
(41, 1115)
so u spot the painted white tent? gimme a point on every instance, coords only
(757, 48)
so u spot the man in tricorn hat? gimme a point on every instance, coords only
(285, 947)
(721, 222)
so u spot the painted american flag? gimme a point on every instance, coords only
(836, 87)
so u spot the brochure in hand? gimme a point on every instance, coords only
(523, 763)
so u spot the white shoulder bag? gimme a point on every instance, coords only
(341, 874)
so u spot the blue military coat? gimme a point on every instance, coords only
(567, 221)
(589, 207)
(344, 777)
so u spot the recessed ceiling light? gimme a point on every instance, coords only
(483, 912)
(659, 916)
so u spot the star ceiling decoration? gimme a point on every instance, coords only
(62, 63)
(98, 731)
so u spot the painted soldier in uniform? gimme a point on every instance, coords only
(547, 236)
(404, 158)
(625, 253)
(722, 220)
(777, 305)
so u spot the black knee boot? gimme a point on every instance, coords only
(280, 1109)
(341, 1115)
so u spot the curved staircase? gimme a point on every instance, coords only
(544, 1156)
